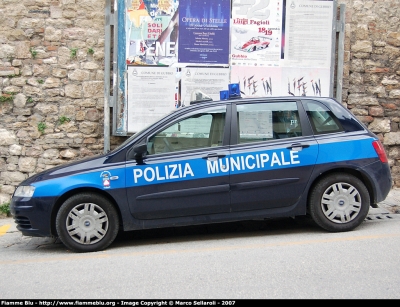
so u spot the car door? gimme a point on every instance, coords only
(272, 155)
(178, 176)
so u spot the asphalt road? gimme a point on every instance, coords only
(282, 258)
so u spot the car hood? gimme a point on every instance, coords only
(68, 168)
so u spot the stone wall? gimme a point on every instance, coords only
(52, 79)
(371, 88)
(52, 85)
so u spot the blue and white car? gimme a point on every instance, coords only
(212, 162)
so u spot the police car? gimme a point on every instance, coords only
(214, 161)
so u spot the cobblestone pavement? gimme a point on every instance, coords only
(392, 201)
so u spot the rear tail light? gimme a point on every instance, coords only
(380, 151)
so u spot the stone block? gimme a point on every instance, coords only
(93, 89)
(362, 46)
(394, 94)
(393, 38)
(26, 164)
(73, 91)
(380, 125)
(392, 138)
(7, 137)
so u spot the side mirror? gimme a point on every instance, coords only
(139, 151)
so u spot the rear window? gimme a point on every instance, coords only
(322, 119)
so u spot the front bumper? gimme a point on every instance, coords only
(33, 216)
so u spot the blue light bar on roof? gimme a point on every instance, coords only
(224, 95)
(234, 90)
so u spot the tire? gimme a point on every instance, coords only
(339, 202)
(87, 222)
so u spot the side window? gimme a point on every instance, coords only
(322, 119)
(200, 130)
(268, 121)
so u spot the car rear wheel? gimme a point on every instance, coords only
(339, 202)
(87, 222)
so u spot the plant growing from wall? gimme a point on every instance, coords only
(73, 52)
(63, 119)
(33, 52)
(90, 51)
(29, 99)
(6, 97)
(40, 81)
(41, 127)
(5, 209)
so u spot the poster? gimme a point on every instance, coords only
(256, 33)
(281, 81)
(305, 81)
(152, 32)
(258, 81)
(308, 39)
(208, 80)
(204, 31)
(256, 124)
(151, 94)
(298, 63)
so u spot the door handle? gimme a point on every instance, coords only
(215, 156)
(298, 146)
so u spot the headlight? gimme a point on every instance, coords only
(24, 191)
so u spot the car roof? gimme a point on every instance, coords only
(262, 100)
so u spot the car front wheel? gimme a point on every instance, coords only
(339, 202)
(87, 222)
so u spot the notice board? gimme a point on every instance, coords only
(269, 47)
